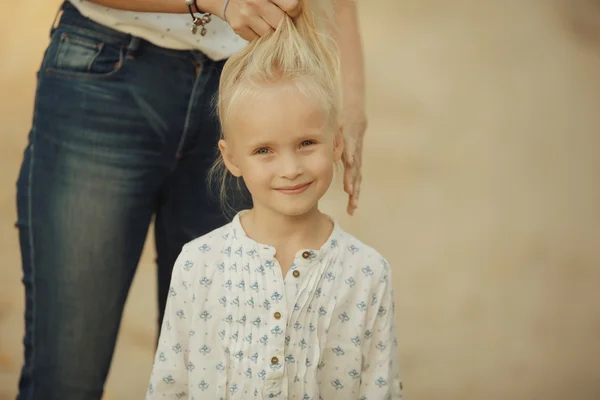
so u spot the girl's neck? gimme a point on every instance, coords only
(268, 227)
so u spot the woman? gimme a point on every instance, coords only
(124, 131)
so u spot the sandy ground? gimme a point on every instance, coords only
(482, 187)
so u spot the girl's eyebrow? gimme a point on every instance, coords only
(258, 144)
(314, 133)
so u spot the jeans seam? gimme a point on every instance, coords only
(32, 263)
(191, 103)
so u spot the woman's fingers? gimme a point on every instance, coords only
(290, 7)
(271, 14)
(261, 27)
(246, 33)
(253, 18)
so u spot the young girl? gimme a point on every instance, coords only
(280, 303)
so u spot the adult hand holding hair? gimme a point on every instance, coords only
(253, 18)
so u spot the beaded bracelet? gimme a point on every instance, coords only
(197, 22)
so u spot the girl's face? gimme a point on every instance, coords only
(281, 143)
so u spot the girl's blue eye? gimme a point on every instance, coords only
(306, 143)
(262, 150)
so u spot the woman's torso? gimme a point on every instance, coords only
(167, 30)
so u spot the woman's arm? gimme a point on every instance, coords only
(354, 121)
(248, 18)
(349, 41)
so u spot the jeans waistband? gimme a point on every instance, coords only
(72, 18)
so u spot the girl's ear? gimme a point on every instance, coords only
(228, 158)
(338, 144)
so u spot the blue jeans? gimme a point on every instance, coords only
(123, 132)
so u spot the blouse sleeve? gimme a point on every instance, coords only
(169, 379)
(380, 379)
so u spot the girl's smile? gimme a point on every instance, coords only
(291, 190)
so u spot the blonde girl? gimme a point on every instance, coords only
(281, 302)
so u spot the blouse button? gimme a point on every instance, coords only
(296, 273)
(305, 255)
(277, 315)
(274, 360)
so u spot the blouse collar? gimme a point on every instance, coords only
(326, 249)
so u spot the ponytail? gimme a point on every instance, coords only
(300, 52)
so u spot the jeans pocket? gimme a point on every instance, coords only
(81, 55)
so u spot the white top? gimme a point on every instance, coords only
(172, 31)
(235, 328)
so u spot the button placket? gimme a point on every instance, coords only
(275, 354)
(306, 258)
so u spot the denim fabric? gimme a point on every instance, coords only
(123, 132)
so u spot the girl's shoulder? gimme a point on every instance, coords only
(357, 253)
(209, 244)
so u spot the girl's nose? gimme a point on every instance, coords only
(291, 168)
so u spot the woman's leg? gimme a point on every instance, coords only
(189, 208)
(104, 138)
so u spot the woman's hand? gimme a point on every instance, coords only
(354, 125)
(353, 117)
(253, 18)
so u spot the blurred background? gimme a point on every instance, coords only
(481, 185)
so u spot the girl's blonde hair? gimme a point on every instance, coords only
(299, 55)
